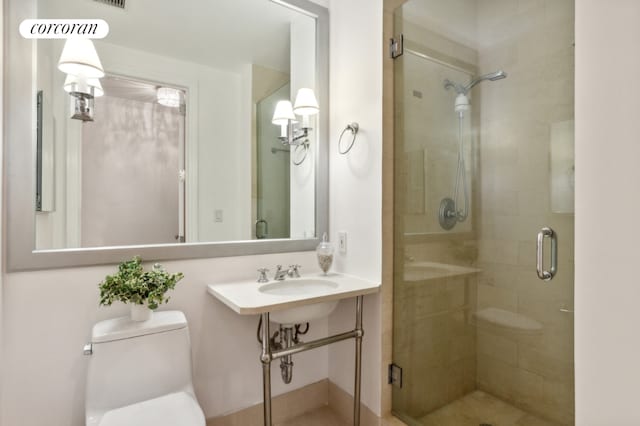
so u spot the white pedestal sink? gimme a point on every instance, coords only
(295, 301)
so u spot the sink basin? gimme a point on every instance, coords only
(301, 287)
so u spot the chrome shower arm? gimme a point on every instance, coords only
(457, 87)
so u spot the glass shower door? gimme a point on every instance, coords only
(483, 163)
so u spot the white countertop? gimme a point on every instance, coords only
(245, 298)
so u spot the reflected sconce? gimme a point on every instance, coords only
(84, 91)
(285, 113)
(80, 61)
(169, 97)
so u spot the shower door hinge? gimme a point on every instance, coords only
(395, 375)
(396, 47)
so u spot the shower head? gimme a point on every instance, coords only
(493, 76)
(498, 75)
(462, 100)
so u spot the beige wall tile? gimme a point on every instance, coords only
(496, 297)
(498, 347)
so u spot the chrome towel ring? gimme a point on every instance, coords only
(353, 127)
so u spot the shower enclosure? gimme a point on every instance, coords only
(483, 218)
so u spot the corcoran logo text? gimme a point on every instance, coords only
(64, 28)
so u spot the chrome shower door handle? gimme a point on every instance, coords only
(547, 275)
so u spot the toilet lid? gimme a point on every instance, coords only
(169, 410)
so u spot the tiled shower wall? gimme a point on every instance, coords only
(533, 42)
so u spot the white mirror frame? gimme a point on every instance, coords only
(19, 165)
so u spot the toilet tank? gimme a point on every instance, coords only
(135, 361)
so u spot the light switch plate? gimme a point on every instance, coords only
(218, 215)
(342, 241)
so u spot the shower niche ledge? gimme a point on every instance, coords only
(421, 271)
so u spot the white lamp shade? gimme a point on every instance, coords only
(306, 102)
(283, 113)
(79, 58)
(170, 97)
(84, 85)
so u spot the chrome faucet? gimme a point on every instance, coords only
(263, 275)
(294, 271)
(280, 274)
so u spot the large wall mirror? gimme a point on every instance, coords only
(179, 149)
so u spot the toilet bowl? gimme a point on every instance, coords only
(140, 373)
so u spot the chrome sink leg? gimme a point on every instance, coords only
(266, 358)
(356, 388)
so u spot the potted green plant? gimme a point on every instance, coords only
(142, 290)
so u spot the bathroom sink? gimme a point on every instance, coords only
(292, 301)
(301, 287)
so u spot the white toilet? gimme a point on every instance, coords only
(140, 373)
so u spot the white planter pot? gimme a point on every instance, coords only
(140, 312)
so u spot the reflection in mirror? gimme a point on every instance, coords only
(176, 143)
(273, 174)
(132, 162)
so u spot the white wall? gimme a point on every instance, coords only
(356, 180)
(48, 317)
(607, 152)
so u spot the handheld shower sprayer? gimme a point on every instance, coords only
(461, 104)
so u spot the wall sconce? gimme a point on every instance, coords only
(285, 117)
(80, 61)
(83, 91)
(79, 58)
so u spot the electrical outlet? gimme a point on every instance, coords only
(218, 216)
(342, 241)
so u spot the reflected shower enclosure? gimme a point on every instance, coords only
(483, 140)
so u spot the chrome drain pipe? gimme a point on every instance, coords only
(285, 338)
(286, 362)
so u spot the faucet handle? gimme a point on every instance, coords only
(294, 271)
(263, 275)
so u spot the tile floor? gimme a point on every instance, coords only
(478, 408)
(323, 416)
(474, 409)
